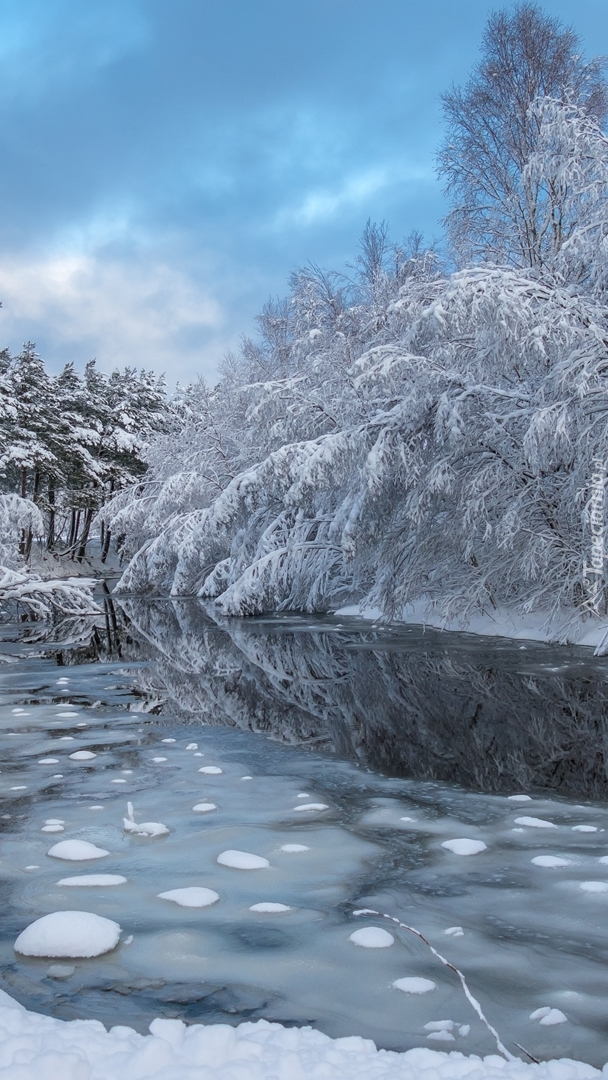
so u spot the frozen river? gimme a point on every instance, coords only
(346, 757)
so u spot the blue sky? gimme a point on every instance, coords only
(166, 165)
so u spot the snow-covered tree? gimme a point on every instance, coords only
(492, 133)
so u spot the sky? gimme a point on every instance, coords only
(166, 166)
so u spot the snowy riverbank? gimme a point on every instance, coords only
(567, 628)
(34, 1046)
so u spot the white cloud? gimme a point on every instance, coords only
(322, 204)
(141, 312)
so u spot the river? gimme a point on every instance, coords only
(347, 756)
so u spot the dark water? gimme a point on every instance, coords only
(490, 714)
(408, 738)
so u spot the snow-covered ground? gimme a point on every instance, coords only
(34, 1047)
(500, 622)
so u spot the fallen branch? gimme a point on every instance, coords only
(472, 1000)
(47, 599)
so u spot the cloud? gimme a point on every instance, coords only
(138, 311)
(353, 193)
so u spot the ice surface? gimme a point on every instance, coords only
(92, 880)
(372, 937)
(76, 850)
(535, 823)
(414, 985)
(464, 846)
(269, 906)
(193, 896)
(68, 933)
(242, 860)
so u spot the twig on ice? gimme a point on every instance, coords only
(472, 1000)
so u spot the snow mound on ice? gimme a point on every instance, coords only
(242, 860)
(550, 860)
(294, 847)
(204, 807)
(464, 846)
(193, 896)
(82, 755)
(594, 886)
(535, 823)
(548, 1017)
(519, 798)
(68, 933)
(145, 828)
(83, 1048)
(311, 806)
(414, 985)
(76, 850)
(89, 880)
(372, 937)
(269, 907)
(211, 770)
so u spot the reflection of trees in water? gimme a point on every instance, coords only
(414, 710)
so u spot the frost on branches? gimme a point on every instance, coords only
(407, 435)
(21, 588)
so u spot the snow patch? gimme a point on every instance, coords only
(372, 937)
(76, 850)
(242, 860)
(464, 846)
(194, 896)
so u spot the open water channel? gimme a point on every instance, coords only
(346, 756)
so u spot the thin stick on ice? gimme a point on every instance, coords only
(472, 1000)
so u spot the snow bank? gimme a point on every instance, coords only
(570, 628)
(33, 1046)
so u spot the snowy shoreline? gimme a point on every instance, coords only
(33, 1046)
(566, 629)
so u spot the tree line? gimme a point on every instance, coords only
(426, 428)
(71, 441)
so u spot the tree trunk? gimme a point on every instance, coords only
(23, 540)
(50, 537)
(106, 545)
(85, 534)
(71, 529)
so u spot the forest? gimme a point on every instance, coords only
(430, 426)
